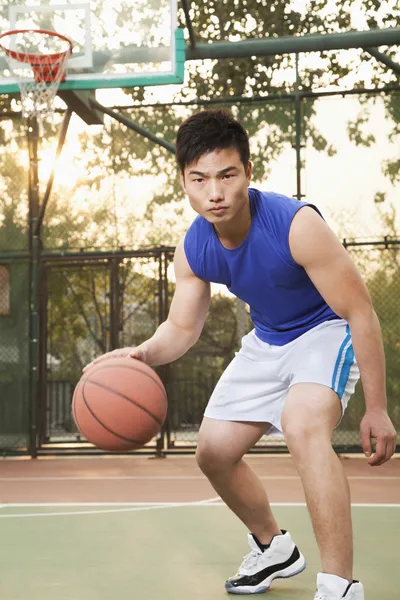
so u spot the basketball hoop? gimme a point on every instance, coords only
(37, 59)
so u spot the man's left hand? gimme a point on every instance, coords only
(377, 425)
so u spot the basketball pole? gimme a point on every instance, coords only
(33, 193)
(37, 212)
(60, 146)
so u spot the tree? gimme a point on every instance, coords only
(88, 214)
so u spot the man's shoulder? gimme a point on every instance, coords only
(197, 236)
(278, 206)
(199, 226)
(274, 199)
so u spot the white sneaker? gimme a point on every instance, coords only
(264, 564)
(332, 587)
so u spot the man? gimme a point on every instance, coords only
(295, 372)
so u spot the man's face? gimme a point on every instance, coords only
(216, 185)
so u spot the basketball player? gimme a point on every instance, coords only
(297, 369)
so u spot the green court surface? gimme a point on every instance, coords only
(182, 552)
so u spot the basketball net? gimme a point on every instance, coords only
(37, 60)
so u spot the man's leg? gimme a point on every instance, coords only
(220, 449)
(272, 552)
(310, 414)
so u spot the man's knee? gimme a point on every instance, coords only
(310, 414)
(212, 459)
(299, 433)
(305, 435)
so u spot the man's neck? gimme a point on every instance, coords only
(233, 233)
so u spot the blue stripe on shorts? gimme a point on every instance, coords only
(342, 377)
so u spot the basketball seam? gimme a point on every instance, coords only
(110, 389)
(133, 368)
(122, 437)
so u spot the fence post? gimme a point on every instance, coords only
(42, 349)
(298, 117)
(163, 370)
(115, 304)
(167, 368)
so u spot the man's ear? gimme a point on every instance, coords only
(182, 180)
(249, 171)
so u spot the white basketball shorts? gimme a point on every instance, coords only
(255, 384)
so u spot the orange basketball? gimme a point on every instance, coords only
(119, 404)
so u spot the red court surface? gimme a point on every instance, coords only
(173, 479)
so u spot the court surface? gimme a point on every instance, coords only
(134, 527)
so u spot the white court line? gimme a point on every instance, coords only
(111, 478)
(182, 477)
(145, 508)
(355, 505)
(176, 505)
(148, 506)
(209, 502)
(74, 504)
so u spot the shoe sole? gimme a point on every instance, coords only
(294, 569)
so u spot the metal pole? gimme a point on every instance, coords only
(33, 137)
(98, 254)
(60, 146)
(115, 320)
(167, 368)
(131, 125)
(291, 44)
(265, 99)
(37, 214)
(42, 415)
(383, 58)
(160, 443)
(14, 256)
(35, 343)
(297, 104)
(189, 24)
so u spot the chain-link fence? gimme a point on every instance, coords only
(93, 306)
(15, 333)
(116, 191)
(380, 264)
(96, 305)
(90, 307)
(15, 342)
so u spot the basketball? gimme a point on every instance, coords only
(119, 404)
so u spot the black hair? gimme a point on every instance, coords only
(210, 130)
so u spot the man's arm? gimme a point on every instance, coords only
(184, 324)
(315, 247)
(186, 316)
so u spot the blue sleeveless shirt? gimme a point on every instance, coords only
(284, 302)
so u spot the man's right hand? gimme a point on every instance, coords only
(139, 353)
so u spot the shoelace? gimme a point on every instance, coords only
(250, 560)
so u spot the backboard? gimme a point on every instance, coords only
(116, 43)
